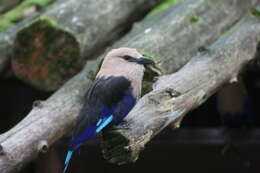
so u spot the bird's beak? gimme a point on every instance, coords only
(145, 61)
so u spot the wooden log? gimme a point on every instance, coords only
(51, 119)
(176, 94)
(175, 35)
(55, 46)
(6, 5)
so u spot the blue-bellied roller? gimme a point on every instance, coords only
(111, 95)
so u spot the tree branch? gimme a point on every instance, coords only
(175, 35)
(176, 94)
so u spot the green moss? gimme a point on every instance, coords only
(163, 6)
(48, 21)
(194, 19)
(41, 3)
(15, 15)
(255, 12)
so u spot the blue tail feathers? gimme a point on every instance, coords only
(89, 132)
(67, 160)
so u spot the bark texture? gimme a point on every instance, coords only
(55, 46)
(176, 94)
(173, 36)
(45, 124)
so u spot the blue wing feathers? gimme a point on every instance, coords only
(89, 132)
(124, 107)
(116, 113)
(99, 121)
(104, 123)
(67, 160)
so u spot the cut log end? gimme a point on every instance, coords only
(45, 55)
(114, 151)
(120, 147)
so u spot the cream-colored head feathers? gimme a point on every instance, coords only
(115, 65)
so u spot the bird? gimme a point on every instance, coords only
(111, 96)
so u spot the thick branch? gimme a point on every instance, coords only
(50, 120)
(176, 94)
(46, 123)
(175, 35)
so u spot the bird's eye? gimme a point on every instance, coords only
(127, 57)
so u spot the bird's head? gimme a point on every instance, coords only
(128, 63)
(129, 55)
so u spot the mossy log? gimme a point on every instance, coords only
(174, 35)
(56, 45)
(176, 94)
(6, 5)
(49, 120)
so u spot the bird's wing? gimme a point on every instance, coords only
(106, 100)
(102, 102)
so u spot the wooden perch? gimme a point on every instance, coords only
(176, 94)
(55, 46)
(51, 119)
(45, 124)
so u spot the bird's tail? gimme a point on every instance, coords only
(67, 160)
